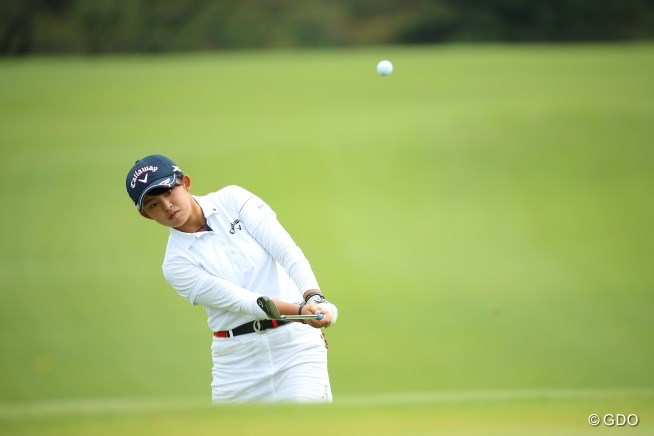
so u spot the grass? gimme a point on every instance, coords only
(481, 217)
(508, 413)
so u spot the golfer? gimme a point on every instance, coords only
(225, 250)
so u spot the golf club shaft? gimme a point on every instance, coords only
(317, 316)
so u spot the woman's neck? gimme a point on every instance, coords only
(196, 222)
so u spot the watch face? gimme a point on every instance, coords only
(316, 299)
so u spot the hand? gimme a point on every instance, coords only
(314, 296)
(312, 309)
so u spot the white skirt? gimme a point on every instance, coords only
(284, 364)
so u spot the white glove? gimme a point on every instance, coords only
(331, 308)
(319, 300)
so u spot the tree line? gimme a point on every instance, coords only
(104, 26)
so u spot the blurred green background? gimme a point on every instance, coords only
(482, 218)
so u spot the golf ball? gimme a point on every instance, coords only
(384, 68)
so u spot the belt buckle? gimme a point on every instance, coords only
(256, 325)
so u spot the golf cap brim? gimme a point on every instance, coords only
(164, 182)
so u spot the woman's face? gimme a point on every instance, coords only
(172, 208)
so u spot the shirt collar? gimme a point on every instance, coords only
(208, 209)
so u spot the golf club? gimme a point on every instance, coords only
(267, 305)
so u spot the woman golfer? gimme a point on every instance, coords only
(227, 252)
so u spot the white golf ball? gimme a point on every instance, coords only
(384, 68)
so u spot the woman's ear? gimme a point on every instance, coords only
(186, 181)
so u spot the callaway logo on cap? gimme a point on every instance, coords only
(154, 171)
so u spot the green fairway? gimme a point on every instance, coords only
(511, 413)
(483, 218)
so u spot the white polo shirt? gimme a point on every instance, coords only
(247, 254)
